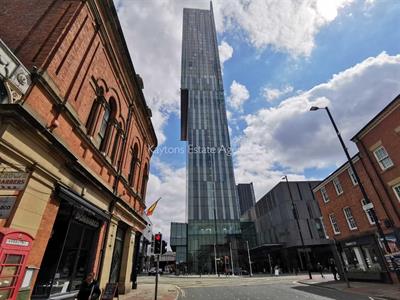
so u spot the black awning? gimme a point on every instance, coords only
(76, 200)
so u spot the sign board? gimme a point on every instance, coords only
(13, 180)
(6, 204)
(110, 291)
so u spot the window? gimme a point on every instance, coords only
(367, 207)
(383, 158)
(107, 123)
(144, 181)
(397, 191)
(118, 136)
(338, 186)
(3, 93)
(352, 176)
(350, 219)
(335, 225)
(104, 125)
(320, 228)
(324, 194)
(134, 160)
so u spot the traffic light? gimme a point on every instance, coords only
(157, 243)
(164, 247)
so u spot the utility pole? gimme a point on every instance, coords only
(215, 260)
(296, 217)
(248, 254)
(230, 249)
(158, 266)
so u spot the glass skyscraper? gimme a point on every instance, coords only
(212, 203)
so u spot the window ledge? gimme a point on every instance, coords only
(387, 169)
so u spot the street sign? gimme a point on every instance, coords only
(13, 180)
(6, 205)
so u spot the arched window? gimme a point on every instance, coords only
(144, 181)
(93, 116)
(3, 94)
(115, 149)
(106, 123)
(131, 177)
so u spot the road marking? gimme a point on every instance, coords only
(180, 291)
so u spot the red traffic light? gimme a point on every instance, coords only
(157, 237)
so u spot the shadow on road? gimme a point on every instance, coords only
(330, 293)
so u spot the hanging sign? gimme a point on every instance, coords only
(6, 204)
(13, 180)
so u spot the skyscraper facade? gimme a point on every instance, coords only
(246, 196)
(212, 203)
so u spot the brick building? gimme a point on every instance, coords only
(76, 140)
(348, 217)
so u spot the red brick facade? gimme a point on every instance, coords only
(349, 220)
(85, 110)
(385, 131)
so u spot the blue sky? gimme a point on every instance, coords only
(279, 58)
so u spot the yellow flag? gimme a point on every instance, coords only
(152, 208)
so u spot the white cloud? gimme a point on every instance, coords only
(291, 138)
(170, 185)
(271, 94)
(153, 31)
(286, 25)
(225, 52)
(238, 96)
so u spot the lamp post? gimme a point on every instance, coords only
(364, 193)
(296, 217)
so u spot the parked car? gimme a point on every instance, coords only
(152, 271)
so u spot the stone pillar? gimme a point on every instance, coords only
(125, 285)
(109, 249)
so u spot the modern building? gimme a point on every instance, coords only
(278, 237)
(246, 196)
(348, 216)
(212, 204)
(75, 140)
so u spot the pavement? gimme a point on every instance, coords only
(145, 291)
(374, 290)
(260, 287)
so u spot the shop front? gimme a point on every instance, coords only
(72, 248)
(363, 259)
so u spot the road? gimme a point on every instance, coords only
(246, 288)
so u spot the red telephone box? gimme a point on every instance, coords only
(15, 246)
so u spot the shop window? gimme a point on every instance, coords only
(352, 176)
(132, 169)
(349, 218)
(324, 194)
(335, 225)
(338, 186)
(371, 257)
(367, 207)
(396, 190)
(117, 255)
(69, 254)
(383, 158)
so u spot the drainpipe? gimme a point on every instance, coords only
(115, 185)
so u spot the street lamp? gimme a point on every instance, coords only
(296, 217)
(364, 193)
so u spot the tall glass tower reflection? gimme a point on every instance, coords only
(212, 202)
